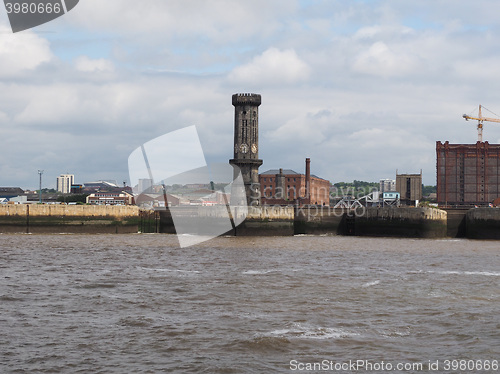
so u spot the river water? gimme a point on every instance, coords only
(139, 304)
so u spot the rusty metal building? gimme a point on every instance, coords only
(467, 174)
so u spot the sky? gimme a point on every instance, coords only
(363, 88)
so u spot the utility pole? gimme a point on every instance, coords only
(40, 172)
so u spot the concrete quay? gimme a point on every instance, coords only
(483, 223)
(387, 222)
(321, 220)
(477, 223)
(55, 218)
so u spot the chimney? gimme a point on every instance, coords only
(308, 180)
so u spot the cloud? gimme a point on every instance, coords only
(219, 21)
(272, 67)
(381, 60)
(21, 52)
(85, 64)
(346, 83)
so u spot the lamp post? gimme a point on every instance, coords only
(40, 172)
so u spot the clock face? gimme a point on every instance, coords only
(244, 148)
(254, 148)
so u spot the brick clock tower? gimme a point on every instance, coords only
(246, 143)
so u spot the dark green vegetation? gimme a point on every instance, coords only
(355, 188)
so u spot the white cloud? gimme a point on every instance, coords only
(215, 20)
(21, 52)
(272, 67)
(381, 60)
(85, 64)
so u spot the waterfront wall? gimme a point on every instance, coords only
(402, 222)
(54, 218)
(322, 220)
(267, 221)
(387, 221)
(479, 223)
(262, 221)
(456, 225)
(483, 223)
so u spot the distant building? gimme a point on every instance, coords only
(287, 187)
(387, 185)
(145, 185)
(90, 187)
(12, 194)
(110, 198)
(409, 187)
(76, 188)
(467, 174)
(64, 182)
(149, 200)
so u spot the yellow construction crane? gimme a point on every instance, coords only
(480, 120)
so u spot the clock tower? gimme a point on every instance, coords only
(246, 143)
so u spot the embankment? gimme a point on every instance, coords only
(388, 221)
(264, 221)
(48, 218)
(483, 223)
(402, 222)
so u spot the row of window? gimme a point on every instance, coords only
(289, 179)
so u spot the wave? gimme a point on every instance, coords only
(257, 272)
(166, 270)
(307, 332)
(483, 273)
(369, 284)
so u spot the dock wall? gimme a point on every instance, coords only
(322, 220)
(267, 221)
(483, 223)
(48, 218)
(402, 222)
(478, 223)
(264, 221)
(388, 221)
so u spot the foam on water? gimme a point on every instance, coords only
(301, 331)
(369, 284)
(257, 272)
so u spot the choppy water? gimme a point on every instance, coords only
(139, 304)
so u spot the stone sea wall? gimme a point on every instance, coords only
(483, 223)
(54, 218)
(402, 222)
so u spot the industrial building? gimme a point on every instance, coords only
(387, 185)
(283, 187)
(467, 174)
(409, 187)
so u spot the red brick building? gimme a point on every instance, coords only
(287, 187)
(467, 174)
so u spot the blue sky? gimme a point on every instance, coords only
(363, 88)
